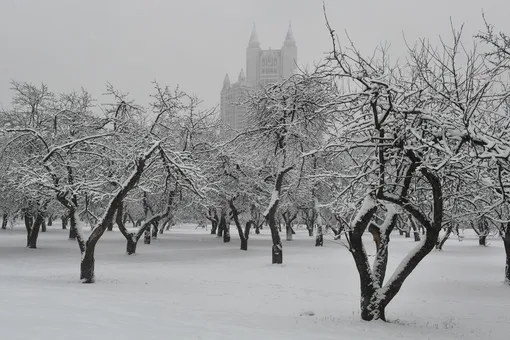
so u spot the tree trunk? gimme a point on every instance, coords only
(401, 232)
(319, 239)
(131, 238)
(64, 222)
(221, 227)
(277, 248)
(442, 241)
(310, 230)
(28, 225)
(87, 264)
(72, 233)
(131, 244)
(288, 230)
(244, 244)
(416, 231)
(155, 226)
(277, 253)
(50, 220)
(482, 240)
(506, 242)
(34, 231)
(371, 309)
(43, 226)
(222, 224)
(226, 233)
(147, 236)
(243, 235)
(5, 217)
(110, 227)
(214, 227)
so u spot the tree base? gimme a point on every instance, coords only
(87, 267)
(131, 247)
(277, 254)
(244, 244)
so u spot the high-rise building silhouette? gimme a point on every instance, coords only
(263, 67)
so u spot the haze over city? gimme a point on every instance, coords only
(69, 44)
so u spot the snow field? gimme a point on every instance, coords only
(190, 285)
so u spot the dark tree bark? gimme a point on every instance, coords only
(64, 221)
(5, 218)
(147, 236)
(506, 242)
(258, 226)
(277, 248)
(482, 230)
(87, 273)
(110, 227)
(375, 295)
(226, 232)
(221, 226)
(155, 227)
(243, 235)
(214, 227)
(289, 218)
(50, 220)
(319, 239)
(212, 216)
(482, 240)
(131, 244)
(279, 224)
(288, 233)
(87, 247)
(28, 224)
(309, 217)
(43, 226)
(446, 236)
(73, 233)
(34, 231)
(133, 238)
(416, 231)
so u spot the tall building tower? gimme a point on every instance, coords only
(253, 51)
(289, 54)
(263, 67)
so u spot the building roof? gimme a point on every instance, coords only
(226, 81)
(254, 38)
(289, 38)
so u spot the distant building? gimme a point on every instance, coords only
(262, 67)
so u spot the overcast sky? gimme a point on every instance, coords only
(73, 43)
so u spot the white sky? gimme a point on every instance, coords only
(72, 43)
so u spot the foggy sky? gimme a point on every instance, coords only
(68, 44)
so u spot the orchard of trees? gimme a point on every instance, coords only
(357, 145)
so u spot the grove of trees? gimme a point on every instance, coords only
(357, 145)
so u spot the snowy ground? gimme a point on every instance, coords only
(190, 285)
